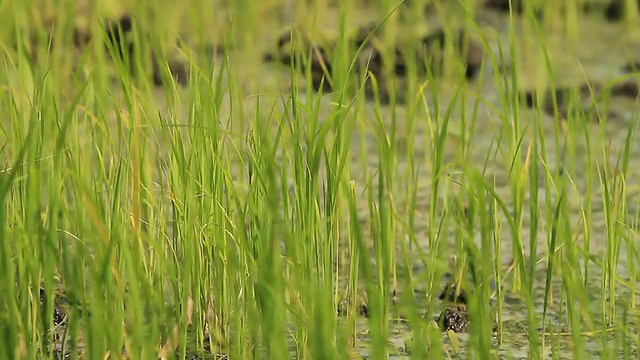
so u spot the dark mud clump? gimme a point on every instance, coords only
(585, 97)
(429, 54)
(374, 59)
(628, 88)
(612, 10)
(565, 99)
(120, 40)
(504, 5)
(373, 55)
(455, 318)
(361, 307)
(452, 293)
(58, 355)
(58, 312)
(516, 6)
(631, 67)
(116, 36)
(319, 63)
(616, 10)
(178, 70)
(119, 37)
(472, 52)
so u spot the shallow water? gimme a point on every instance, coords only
(597, 55)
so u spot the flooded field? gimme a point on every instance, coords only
(597, 55)
(591, 66)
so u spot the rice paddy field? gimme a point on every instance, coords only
(319, 179)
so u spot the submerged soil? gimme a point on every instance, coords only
(596, 53)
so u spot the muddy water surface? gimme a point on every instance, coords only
(597, 54)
